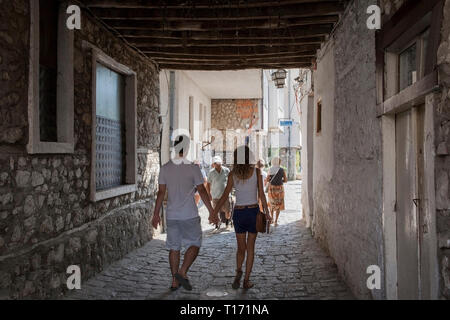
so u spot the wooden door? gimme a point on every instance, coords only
(410, 201)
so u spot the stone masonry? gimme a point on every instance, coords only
(225, 114)
(47, 221)
(233, 117)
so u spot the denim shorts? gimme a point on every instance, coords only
(183, 233)
(244, 220)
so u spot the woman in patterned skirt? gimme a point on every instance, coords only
(276, 178)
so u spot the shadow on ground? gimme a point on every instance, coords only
(289, 264)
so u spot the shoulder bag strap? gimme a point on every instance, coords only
(258, 174)
(273, 177)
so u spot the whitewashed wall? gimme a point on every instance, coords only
(185, 87)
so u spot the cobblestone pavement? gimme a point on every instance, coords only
(289, 264)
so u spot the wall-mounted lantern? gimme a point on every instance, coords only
(279, 78)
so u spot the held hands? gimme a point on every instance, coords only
(156, 221)
(213, 217)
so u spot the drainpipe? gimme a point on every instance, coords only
(290, 127)
(171, 107)
(171, 101)
(160, 158)
(269, 142)
(262, 100)
(262, 113)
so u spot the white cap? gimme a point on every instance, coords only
(217, 160)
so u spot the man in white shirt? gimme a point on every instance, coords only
(181, 179)
(217, 181)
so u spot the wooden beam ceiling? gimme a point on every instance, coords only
(194, 4)
(217, 67)
(213, 14)
(176, 43)
(200, 26)
(292, 33)
(225, 57)
(222, 35)
(239, 51)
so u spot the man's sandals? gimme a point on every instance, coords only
(183, 282)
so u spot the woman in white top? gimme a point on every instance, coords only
(244, 179)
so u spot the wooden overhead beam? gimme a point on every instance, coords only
(142, 39)
(179, 43)
(234, 67)
(237, 61)
(199, 4)
(253, 56)
(218, 35)
(141, 26)
(291, 33)
(214, 14)
(232, 50)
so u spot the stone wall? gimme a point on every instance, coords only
(225, 114)
(46, 219)
(232, 117)
(442, 160)
(14, 40)
(347, 153)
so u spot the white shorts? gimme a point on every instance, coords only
(183, 233)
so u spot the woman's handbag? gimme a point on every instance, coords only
(261, 220)
(273, 177)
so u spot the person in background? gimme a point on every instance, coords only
(181, 179)
(276, 178)
(216, 183)
(197, 195)
(261, 165)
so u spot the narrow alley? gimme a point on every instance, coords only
(342, 108)
(288, 265)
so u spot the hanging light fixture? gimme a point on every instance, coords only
(279, 78)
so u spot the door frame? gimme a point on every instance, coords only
(400, 27)
(429, 240)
